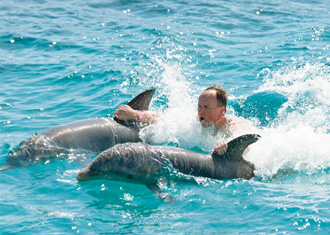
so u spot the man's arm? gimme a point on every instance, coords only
(220, 147)
(126, 113)
(237, 126)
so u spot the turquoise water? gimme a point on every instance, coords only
(63, 61)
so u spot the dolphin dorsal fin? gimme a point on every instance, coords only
(142, 101)
(237, 146)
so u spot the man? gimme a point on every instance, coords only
(211, 113)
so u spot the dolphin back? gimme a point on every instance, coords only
(142, 161)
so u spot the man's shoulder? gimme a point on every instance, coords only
(234, 119)
(239, 125)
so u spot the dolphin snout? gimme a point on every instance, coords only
(85, 174)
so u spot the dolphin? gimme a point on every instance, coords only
(145, 164)
(90, 135)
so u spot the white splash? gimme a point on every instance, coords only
(178, 123)
(300, 140)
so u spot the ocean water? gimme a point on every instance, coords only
(64, 61)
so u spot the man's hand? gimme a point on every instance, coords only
(126, 113)
(220, 147)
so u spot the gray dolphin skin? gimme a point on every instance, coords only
(144, 164)
(90, 135)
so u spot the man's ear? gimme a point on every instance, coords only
(223, 109)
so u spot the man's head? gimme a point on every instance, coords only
(212, 106)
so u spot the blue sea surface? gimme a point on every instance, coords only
(64, 61)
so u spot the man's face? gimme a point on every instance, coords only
(208, 110)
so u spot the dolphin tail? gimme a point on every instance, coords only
(6, 167)
(237, 146)
(142, 101)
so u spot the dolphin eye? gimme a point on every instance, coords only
(129, 176)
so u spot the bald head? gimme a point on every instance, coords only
(221, 94)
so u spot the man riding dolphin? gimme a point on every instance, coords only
(212, 104)
(97, 135)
